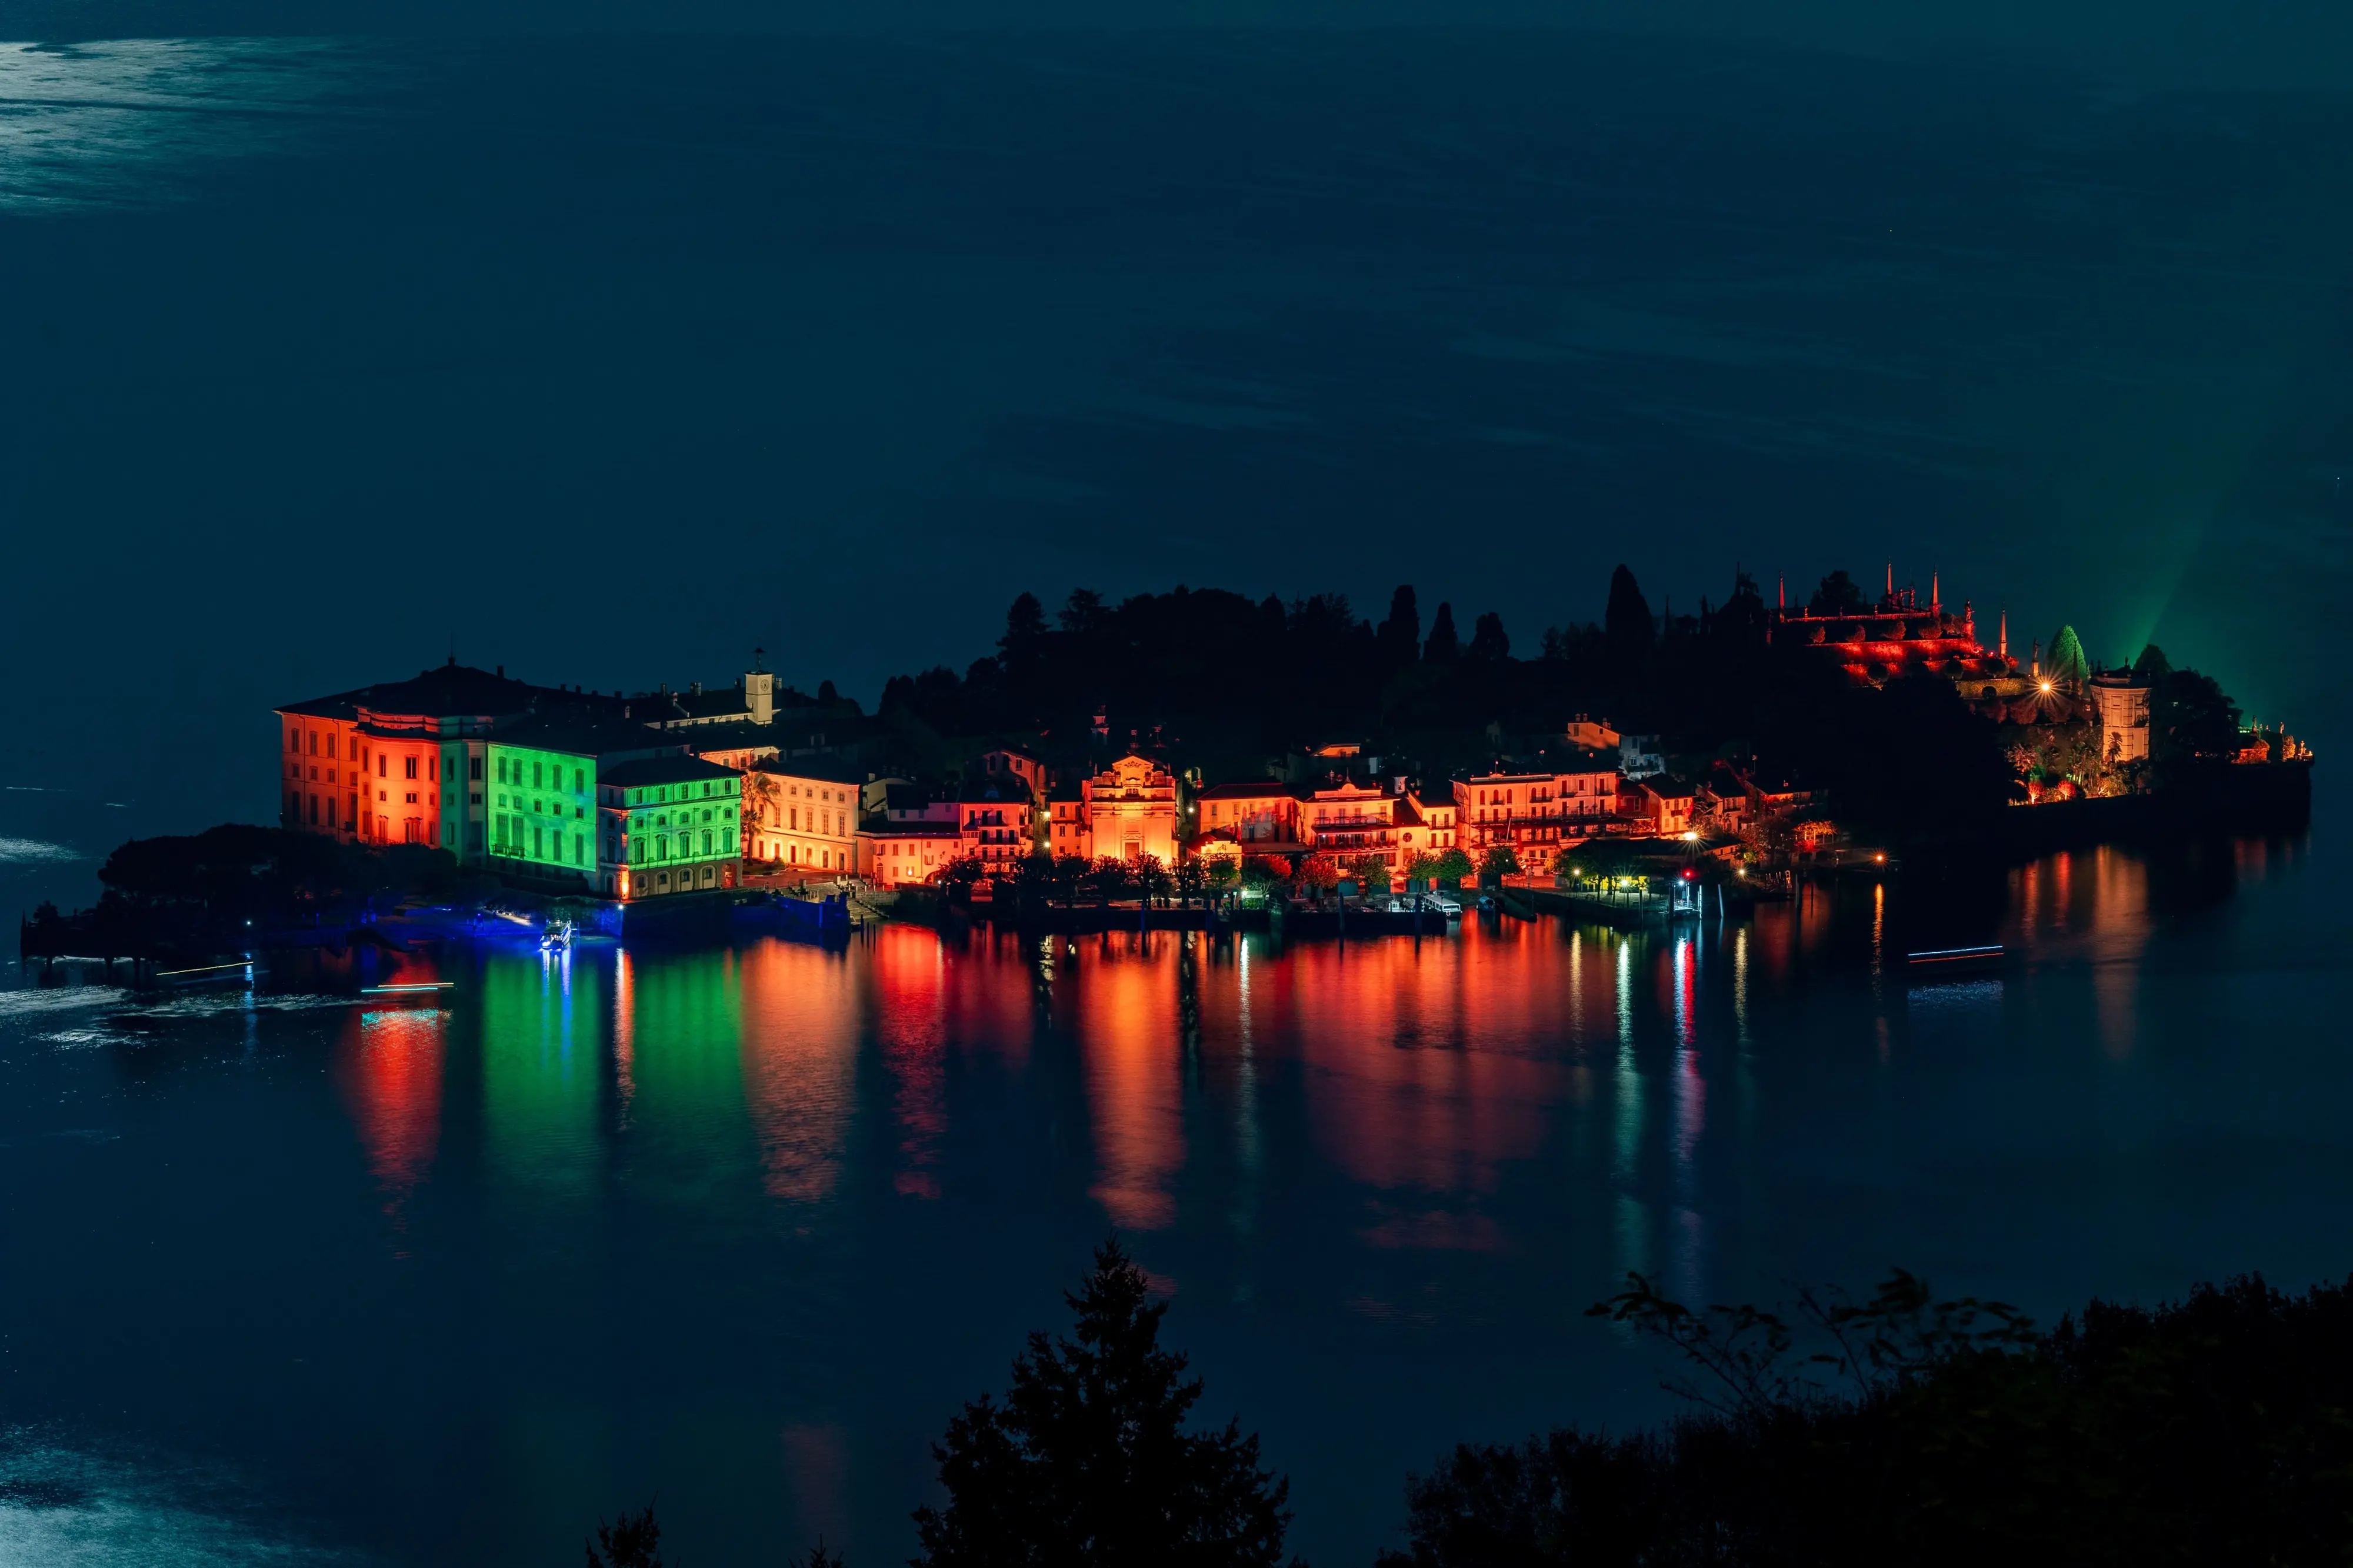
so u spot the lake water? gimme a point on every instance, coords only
(298, 328)
(290, 1271)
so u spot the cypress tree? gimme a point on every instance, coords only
(1088, 1459)
(1627, 621)
(1443, 644)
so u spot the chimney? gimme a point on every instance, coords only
(502, 672)
(695, 689)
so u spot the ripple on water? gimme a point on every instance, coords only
(33, 851)
(110, 123)
(57, 999)
(65, 1508)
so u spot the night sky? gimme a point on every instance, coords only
(609, 357)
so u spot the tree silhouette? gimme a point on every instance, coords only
(1368, 871)
(1025, 623)
(1110, 878)
(1444, 642)
(2190, 723)
(1488, 640)
(1838, 594)
(1626, 620)
(1088, 1459)
(1398, 637)
(959, 876)
(633, 1542)
(1082, 612)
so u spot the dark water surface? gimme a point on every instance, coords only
(319, 357)
(436, 1285)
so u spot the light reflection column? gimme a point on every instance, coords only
(1633, 1248)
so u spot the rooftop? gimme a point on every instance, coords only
(1255, 789)
(994, 789)
(586, 732)
(662, 770)
(445, 691)
(913, 827)
(824, 769)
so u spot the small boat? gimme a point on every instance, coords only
(1940, 961)
(556, 938)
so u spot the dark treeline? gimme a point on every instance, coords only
(2205, 1431)
(228, 883)
(1901, 1429)
(1226, 683)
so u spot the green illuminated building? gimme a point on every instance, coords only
(540, 789)
(539, 809)
(669, 825)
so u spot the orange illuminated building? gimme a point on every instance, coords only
(894, 854)
(994, 820)
(1346, 819)
(1260, 815)
(801, 816)
(1536, 814)
(1349, 819)
(1427, 826)
(397, 763)
(1129, 810)
(1662, 807)
(1068, 831)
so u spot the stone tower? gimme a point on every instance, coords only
(760, 689)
